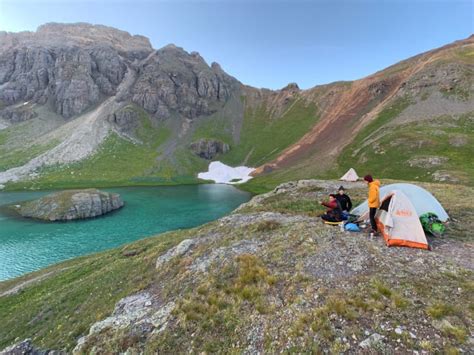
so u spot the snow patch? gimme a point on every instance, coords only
(224, 174)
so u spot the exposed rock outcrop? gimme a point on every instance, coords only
(142, 311)
(427, 162)
(17, 114)
(70, 205)
(25, 347)
(73, 67)
(209, 148)
(125, 120)
(172, 80)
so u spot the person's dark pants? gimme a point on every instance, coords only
(328, 218)
(372, 212)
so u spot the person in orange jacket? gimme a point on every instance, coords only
(373, 200)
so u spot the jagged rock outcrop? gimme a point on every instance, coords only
(73, 67)
(17, 114)
(70, 205)
(209, 148)
(125, 120)
(173, 80)
(291, 87)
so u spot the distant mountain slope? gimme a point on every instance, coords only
(413, 120)
(84, 105)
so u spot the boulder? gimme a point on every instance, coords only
(70, 205)
(209, 148)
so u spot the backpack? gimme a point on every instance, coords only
(431, 224)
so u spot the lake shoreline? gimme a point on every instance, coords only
(27, 245)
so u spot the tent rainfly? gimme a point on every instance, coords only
(398, 222)
(351, 175)
(398, 216)
(421, 199)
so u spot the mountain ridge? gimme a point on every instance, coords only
(81, 68)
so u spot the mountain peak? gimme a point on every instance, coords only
(81, 33)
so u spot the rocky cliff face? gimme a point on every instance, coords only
(70, 67)
(73, 67)
(171, 80)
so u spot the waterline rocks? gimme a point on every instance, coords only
(70, 205)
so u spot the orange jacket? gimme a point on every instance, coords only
(374, 196)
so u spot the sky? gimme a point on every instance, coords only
(267, 43)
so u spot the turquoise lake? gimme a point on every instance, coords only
(27, 245)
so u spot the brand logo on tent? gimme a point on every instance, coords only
(403, 213)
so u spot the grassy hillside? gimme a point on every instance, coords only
(77, 293)
(404, 151)
(426, 150)
(263, 137)
(14, 150)
(121, 161)
(272, 281)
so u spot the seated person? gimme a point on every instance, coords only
(334, 212)
(344, 200)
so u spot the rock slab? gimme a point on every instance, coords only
(70, 205)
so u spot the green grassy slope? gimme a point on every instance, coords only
(13, 151)
(392, 151)
(117, 162)
(264, 137)
(386, 151)
(122, 162)
(56, 311)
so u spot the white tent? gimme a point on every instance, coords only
(351, 175)
(421, 199)
(398, 222)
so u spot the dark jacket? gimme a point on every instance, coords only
(345, 202)
(334, 209)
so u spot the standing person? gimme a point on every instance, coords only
(344, 200)
(334, 211)
(374, 199)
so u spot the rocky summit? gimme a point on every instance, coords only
(69, 205)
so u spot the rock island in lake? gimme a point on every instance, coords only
(70, 204)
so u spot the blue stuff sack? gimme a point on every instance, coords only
(352, 227)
